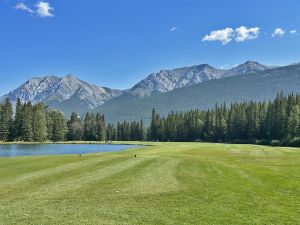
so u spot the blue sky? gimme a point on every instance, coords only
(116, 43)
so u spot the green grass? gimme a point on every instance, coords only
(167, 183)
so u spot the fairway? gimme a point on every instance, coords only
(166, 183)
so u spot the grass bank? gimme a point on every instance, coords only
(167, 183)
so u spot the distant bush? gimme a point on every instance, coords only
(275, 143)
(251, 141)
(262, 142)
(295, 142)
(286, 141)
(239, 141)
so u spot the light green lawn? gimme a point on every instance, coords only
(167, 183)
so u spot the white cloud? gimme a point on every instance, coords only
(44, 9)
(293, 31)
(278, 32)
(22, 6)
(173, 29)
(225, 36)
(243, 33)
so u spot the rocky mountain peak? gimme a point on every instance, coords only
(54, 91)
(244, 68)
(254, 65)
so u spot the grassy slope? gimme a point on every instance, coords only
(182, 183)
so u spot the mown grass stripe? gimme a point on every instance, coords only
(64, 186)
(57, 169)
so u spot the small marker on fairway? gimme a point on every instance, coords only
(80, 155)
(135, 156)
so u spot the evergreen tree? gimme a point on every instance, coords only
(18, 121)
(293, 121)
(208, 129)
(154, 127)
(59, 126)
(26, 122)
(6, 120)
(39, 123)
(49, 123)
(90, 127)
(111, 132)
(252, 126)
(221, 126)
(100, 128)
(74, 128)
(142, 131)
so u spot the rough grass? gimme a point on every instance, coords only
(167, 183)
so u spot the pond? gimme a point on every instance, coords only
(13, 150)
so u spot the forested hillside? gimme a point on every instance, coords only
(274, 122)
(257, 86)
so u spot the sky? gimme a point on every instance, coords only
(116, 43)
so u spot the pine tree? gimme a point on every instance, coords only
(293, 121)
(252, 126)
(49, 123)
(90, 127)
(26, 122)
(74, 128)
(142, 131)
(18, 120)
(154, 127)
(39, 123)
(111, 132)
(59, 126)
(6, 121)
(208, 129)
(100, 128)
(221, 126)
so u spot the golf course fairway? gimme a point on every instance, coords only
(163, 183)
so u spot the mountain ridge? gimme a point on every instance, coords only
(258, 86)
(69, 93)
(52, 89)
(167, 80)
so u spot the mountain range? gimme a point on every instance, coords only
(167, 80)
(200, 86)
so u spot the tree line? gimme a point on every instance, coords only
(31, 123)
(275, 122)
(38, 123)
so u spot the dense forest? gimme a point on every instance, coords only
(38, 123)
(274, 122)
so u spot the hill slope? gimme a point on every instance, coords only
(254, 86)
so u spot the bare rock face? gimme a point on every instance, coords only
(247, 67)
(167, 80)
(52, 88)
